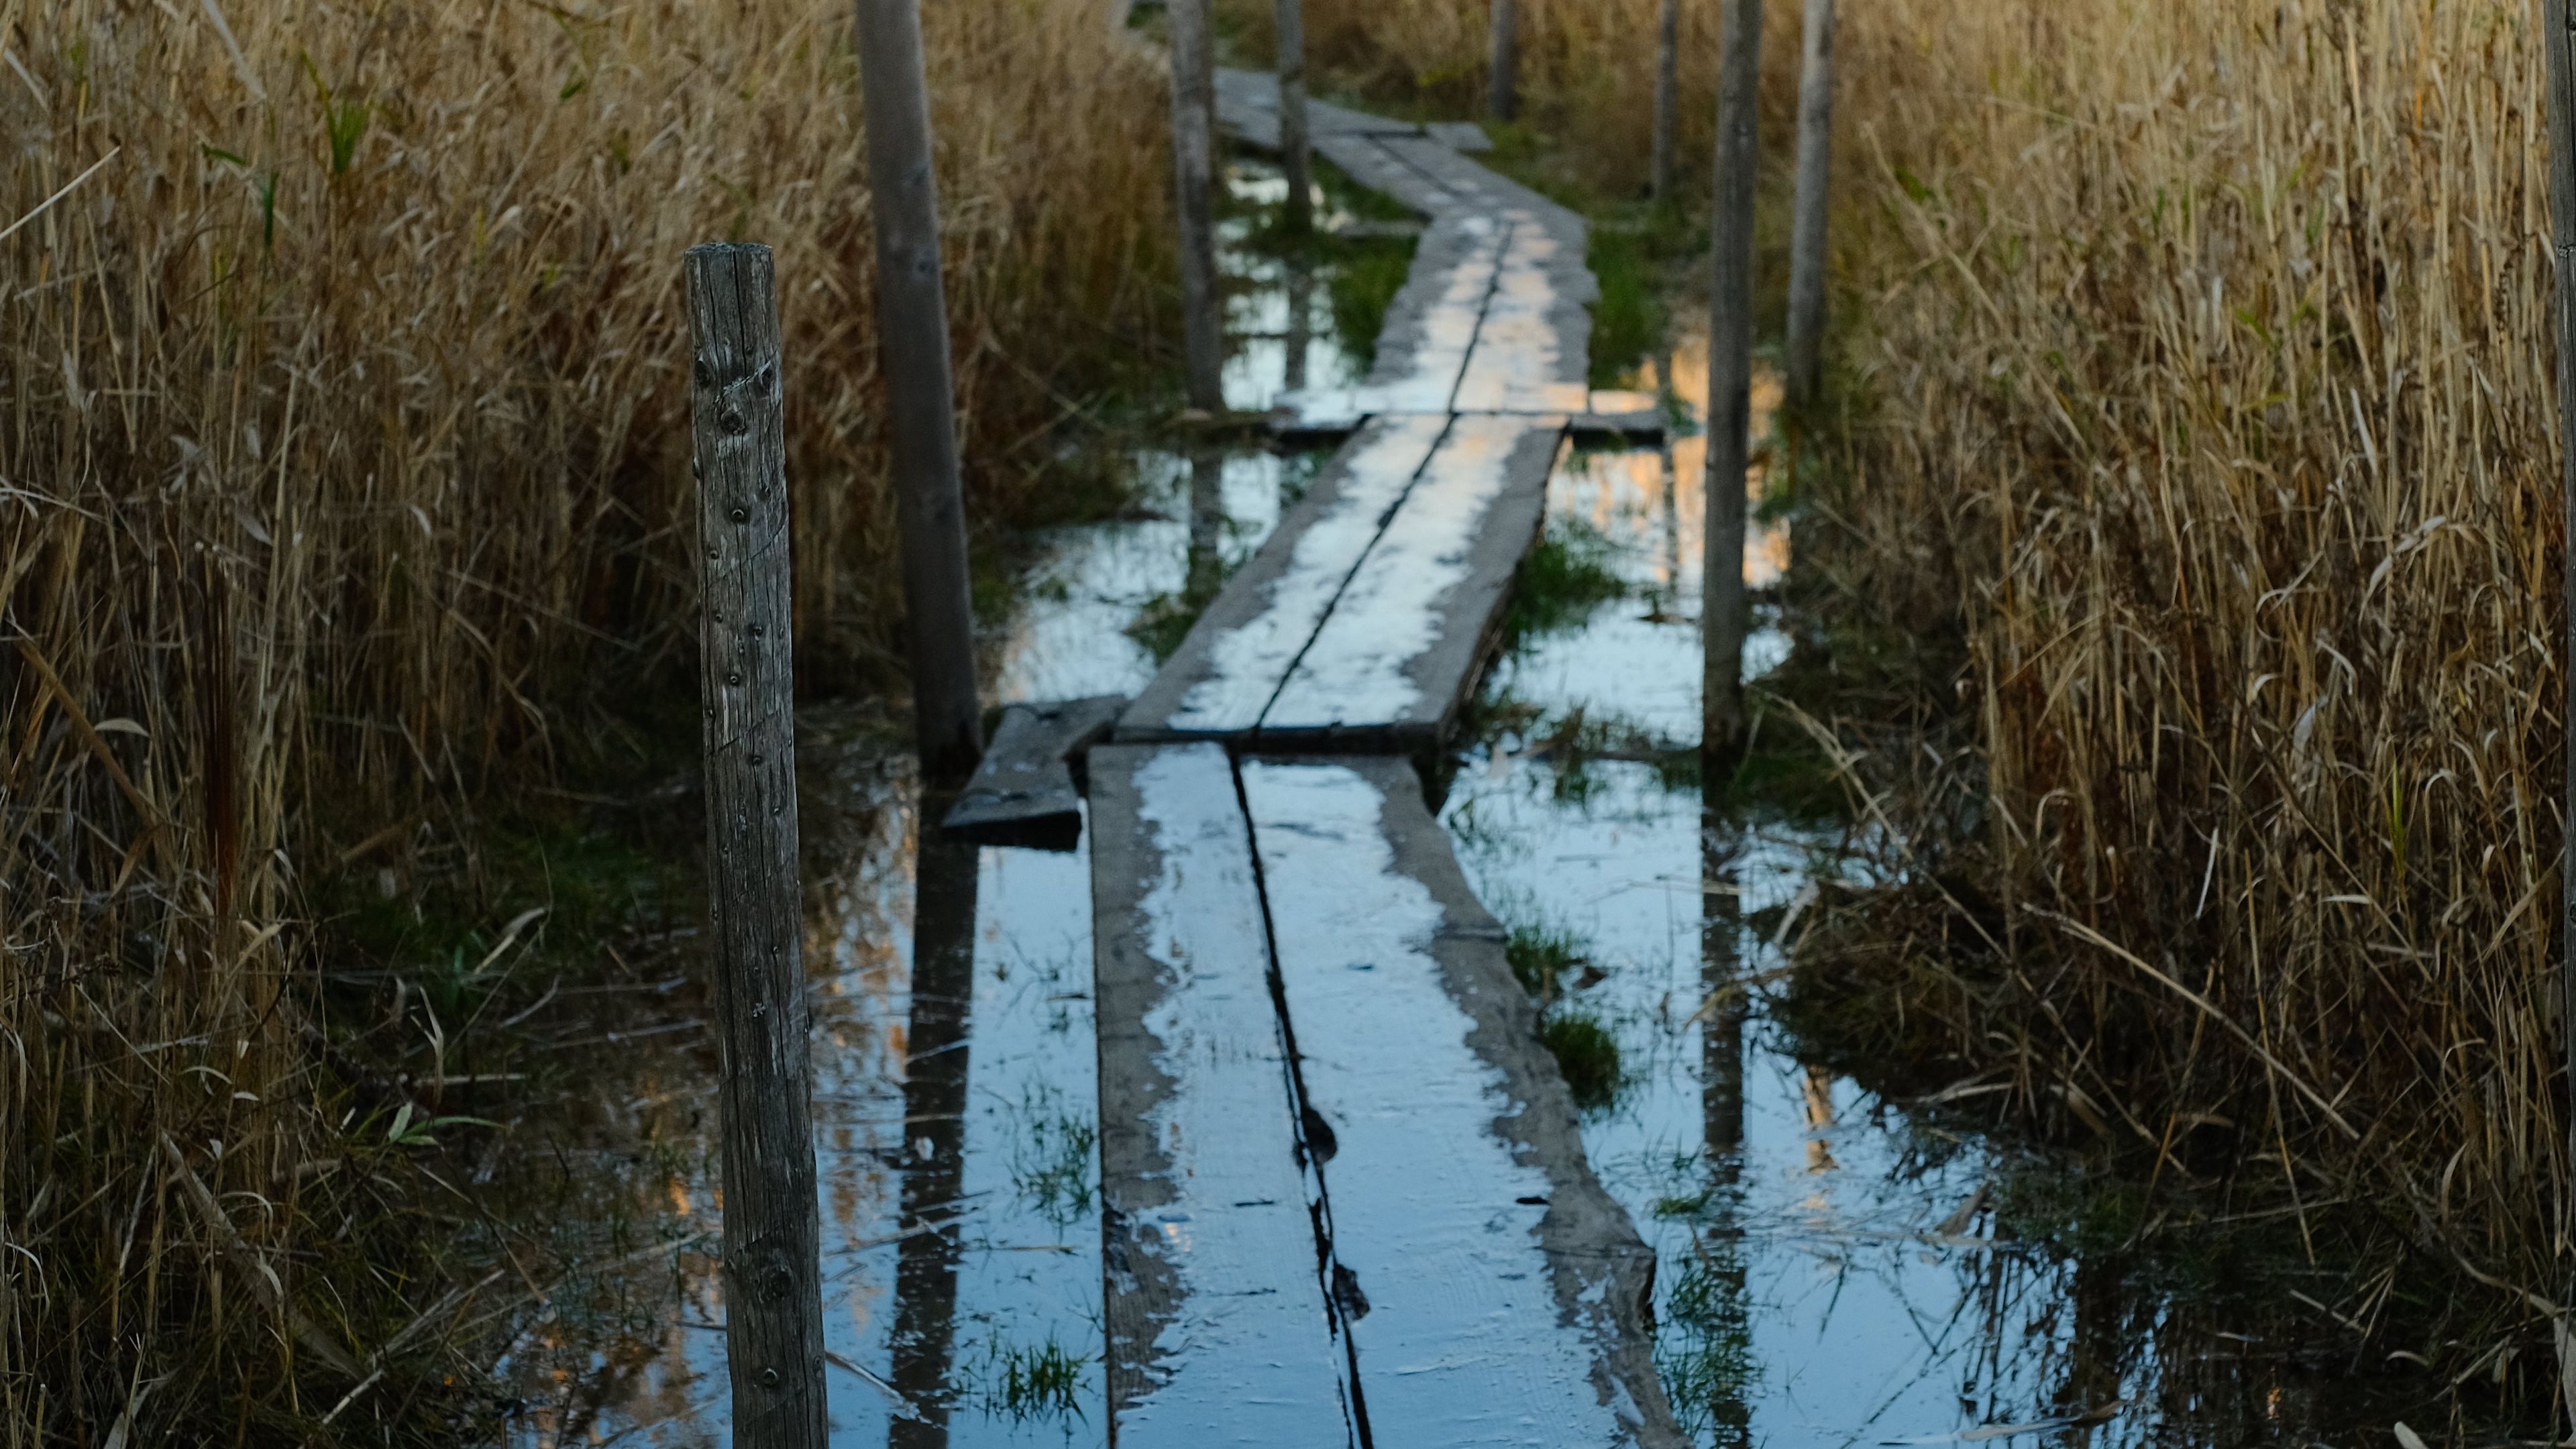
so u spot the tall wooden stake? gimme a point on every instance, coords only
(1193, 162)
(2560, 43)
(912, 343)
(1730, 385)
(1502, 79)
(1807, 229)
(1294, 149)
(1668, 95)
(772, 1237)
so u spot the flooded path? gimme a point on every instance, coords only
(1829, 1267)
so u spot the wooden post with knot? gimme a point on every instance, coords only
(772, 1234)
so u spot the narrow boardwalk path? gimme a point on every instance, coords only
(1345, 1194)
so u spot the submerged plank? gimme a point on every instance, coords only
(1023, 792)
(1401, 649)
(1218, 1326)
(1235, 657)
(1504, 1290)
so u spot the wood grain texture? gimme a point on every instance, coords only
(1394, 662)
(1807, 224)
(1730, 381)
(1219, 1328)
(1024, 792)
(921, 412)
(1193, 166)
(1495, 1293)
(773, 1295)
(1230, 665)
(1295, 158)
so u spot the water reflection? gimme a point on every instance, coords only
(934, 1134)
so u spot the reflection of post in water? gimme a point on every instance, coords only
(1721, 980)
(1820, 1119)
(1301, 307)
(2095, 1350)
(1711, 1377)
(1207, 525)
(934, 1133)
(1671, 477)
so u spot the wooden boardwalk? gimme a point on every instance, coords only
(1345, 1198)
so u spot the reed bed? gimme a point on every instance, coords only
(2207, 364)
(2195, 432)
(343, 474)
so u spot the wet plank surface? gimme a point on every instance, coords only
(1241, 649)
(1393, 663)
(1502, 1286)
(1218, 1328)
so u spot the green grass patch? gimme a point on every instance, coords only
(1586, 1054)
(1566, 576)
(1542, 957)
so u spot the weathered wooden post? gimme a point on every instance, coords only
(912, 343)
(1730, 384)
(772, 1271)
(1668, 95)
(1502, 76)
(1294, 149)
(2559, 41)
(1807, 227)
(1193, 161)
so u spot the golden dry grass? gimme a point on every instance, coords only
(2217, 338)
(343, 464)
(2196, 364)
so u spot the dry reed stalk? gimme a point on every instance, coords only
(2214, 343)
(344, 452)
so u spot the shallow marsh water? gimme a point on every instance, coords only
(1828, 1270)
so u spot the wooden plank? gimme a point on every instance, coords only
(1219, 1328)
(1401, 648)
(1505, 1291)
(1460, 136)
(1235, 657)
(1023, 792)
(1527, 340)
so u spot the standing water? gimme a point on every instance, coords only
(1830, 1267)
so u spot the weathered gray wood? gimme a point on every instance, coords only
(1400, 652)
(2558, 40)
(1496, 1294)
(921, 407)
(1668, 95)
(772, 1271)
(1807, 233)
(1464, 136)
(1219, 1329)
(1234, 658)
(1730, 383)
(1193, 164)
(1024, 792)
(1289, 20)
(1502, 83)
